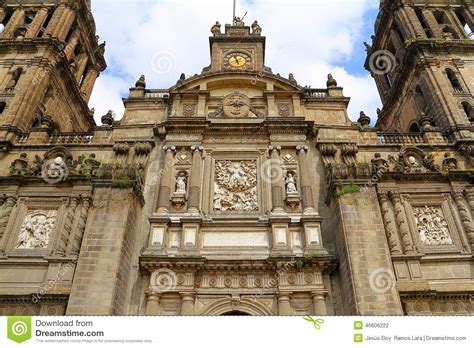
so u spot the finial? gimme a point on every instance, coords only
(364, 120)
(141, 82)
(108, 118)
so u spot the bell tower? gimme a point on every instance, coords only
(50, 59)
(422, 59)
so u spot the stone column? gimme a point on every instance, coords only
(62, 240)
(284, 307)
(276, 177)
(390, 225)
(195, 182)
(465, 215)
(411, 21)
(72, 44)
(17, 18)
(319, 302)
(432, 23)
(88, 82)
(5, 212)
(306, 190)
(402, 222)
(153, 303)
(81, 66)
(55, 20)
(74, 243)
(37, 23)
(187, 303)
(65, 23)
(164, 194)
(470, 200)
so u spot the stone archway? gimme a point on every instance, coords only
(227, 306)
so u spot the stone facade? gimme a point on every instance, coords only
(236, 191)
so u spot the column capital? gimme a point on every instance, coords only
(197, 148)
(284, 295)
(153, 295)
(169, 148)
(272, 148)
(187, 296)
(302, 148)
(319, 294)
(383, 195)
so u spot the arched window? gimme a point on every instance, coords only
(420, 100)
(469, 110)
(462, 19)
(414, 128)
(451, 33)
(424, 23)
(441, 17)
(454, 81)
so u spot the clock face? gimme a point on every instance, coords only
(237, 60)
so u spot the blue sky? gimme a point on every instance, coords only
(163, 38)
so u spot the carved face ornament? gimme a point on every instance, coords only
(236, 105)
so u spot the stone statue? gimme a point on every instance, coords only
(256, 28)
(216, 29)
(292, 79)
(181, 183)
(290, 183)
(239, 22)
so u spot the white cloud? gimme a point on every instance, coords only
(163, 38)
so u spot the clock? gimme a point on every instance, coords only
(237, 61)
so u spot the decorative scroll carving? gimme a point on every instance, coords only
(235, 186)
(36, 230)
(432, 226)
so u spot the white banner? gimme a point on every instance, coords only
(237, 331)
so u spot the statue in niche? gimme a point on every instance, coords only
(181, 183)
(290, 183)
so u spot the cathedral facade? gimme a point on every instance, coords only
(237, 190)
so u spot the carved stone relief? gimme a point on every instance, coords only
(235, 186)
(36, 229)
(432, 226)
